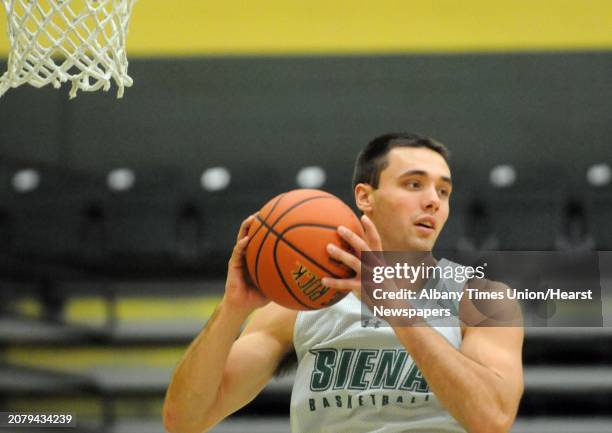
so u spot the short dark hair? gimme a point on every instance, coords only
(372, 160)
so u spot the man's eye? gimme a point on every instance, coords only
(413, 184)
(445, 192)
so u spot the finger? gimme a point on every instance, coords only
(238, 251)
(244, 227)
(374, 241)
(341, 283)
(367, 266)
(344, 257)
(371, 233)
(356, 242)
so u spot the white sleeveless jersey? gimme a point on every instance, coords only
(360, 379)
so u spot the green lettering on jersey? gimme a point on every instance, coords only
(389, 369)
(414, 381)
(325, 360)
(311, 403)
(362, 366)
(346, 356)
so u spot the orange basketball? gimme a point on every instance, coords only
(287, 256)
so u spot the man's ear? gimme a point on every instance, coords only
(364, 197)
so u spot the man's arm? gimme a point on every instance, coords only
(481, 384)
(219, 374)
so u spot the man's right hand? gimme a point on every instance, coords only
(240, 294)
(223, 369)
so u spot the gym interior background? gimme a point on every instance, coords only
(117, 217)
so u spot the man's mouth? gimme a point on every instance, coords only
(426, 222)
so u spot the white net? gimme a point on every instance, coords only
(55, 41)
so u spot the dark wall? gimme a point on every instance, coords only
(553, 108)
(550, 114)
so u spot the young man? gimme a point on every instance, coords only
(352, 378)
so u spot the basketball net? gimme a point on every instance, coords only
(55, 41)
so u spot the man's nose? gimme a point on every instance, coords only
(431, 199)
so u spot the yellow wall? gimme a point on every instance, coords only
(189, 27)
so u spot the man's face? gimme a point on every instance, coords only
(411, 203)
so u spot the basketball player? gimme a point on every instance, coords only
(351, 378)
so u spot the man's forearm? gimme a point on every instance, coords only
(195, 383)
(471, 392)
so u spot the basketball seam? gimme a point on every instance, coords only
(263, 222)
(279, 238)
(282, 278)
(270, 228)
(269, 213)
(297, 250)
(323, 226)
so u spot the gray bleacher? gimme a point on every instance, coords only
(550, 384)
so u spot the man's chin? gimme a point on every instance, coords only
(421, 245)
